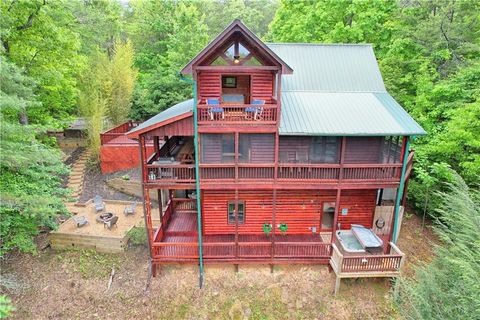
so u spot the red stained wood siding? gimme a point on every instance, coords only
(360, 205)
(209, 86)
(363, 150)
(300, 209)
(183, 127)
(120, 157)
(262, 86)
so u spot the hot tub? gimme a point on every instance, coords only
(348, 241)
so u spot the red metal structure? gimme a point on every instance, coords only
(268, 192)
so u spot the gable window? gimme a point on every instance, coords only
(236, 207)
(236, 54)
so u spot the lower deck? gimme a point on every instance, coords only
(176, 241)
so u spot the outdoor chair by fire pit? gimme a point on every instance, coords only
(130, 209)
(110, 223)
(80, 221)
(98, 203)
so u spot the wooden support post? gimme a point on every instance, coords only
(160, 206)
(337, 285)
(339, 190)
(146, 200)
(272, 267)
(236, 268)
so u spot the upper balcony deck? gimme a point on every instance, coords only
(237, 114)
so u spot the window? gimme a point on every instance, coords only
(302, 149)
(217, 148)
(328, 214)
(240, 209)
(256, 148)
(392, 149)
(324, 150)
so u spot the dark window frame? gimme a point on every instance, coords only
(236, 207)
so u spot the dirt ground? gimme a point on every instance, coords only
(73, 285)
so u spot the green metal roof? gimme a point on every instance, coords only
(344, 114)
(174, 111)
(330, 67)
(335, 89)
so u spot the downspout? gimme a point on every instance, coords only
(400, 192)
(197, 178)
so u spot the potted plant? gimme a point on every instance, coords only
(283, 228)
(267, 228)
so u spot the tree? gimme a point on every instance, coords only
(39, 37)
(448, 287)
(95, 93)
(122, 77)
(30, 170)
(166, 36)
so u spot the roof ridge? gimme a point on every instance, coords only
(338, 91)
(320, 44)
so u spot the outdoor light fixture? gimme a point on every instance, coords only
(236, 59)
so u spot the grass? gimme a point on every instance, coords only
(89, 263)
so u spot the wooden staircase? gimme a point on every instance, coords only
(76, 178)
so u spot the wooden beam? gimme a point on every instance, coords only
(237, 69)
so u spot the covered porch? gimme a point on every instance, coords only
(176, 241)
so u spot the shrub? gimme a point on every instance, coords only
(137, 236)
(448, 287)
(6, 306)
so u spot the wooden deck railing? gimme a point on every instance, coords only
(286, 172)
(237, 114)
(184, 204)
(245, 250)
(171, 173)
(117, 131)
(363, 265)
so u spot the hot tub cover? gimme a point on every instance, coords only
(366, 237)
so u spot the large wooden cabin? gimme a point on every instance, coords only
(293, 141)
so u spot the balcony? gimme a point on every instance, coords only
(234, 114)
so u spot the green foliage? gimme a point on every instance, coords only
(38, 37)
(176, 33)
(30, 172)
(429, 56)
(168, 34)
(137, 236)
(89, 263)
(6, 307)
(448, 287)
(122, 77)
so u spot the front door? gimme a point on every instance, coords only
(327, 216)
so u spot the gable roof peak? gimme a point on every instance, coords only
(234, 26)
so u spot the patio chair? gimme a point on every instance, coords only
(80, 221)
(98, 203)
(215, 110)
(258, 110)
(130, 209)
(110, 223)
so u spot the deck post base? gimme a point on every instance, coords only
(236, 268)
(271, 268)
(337, 285)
